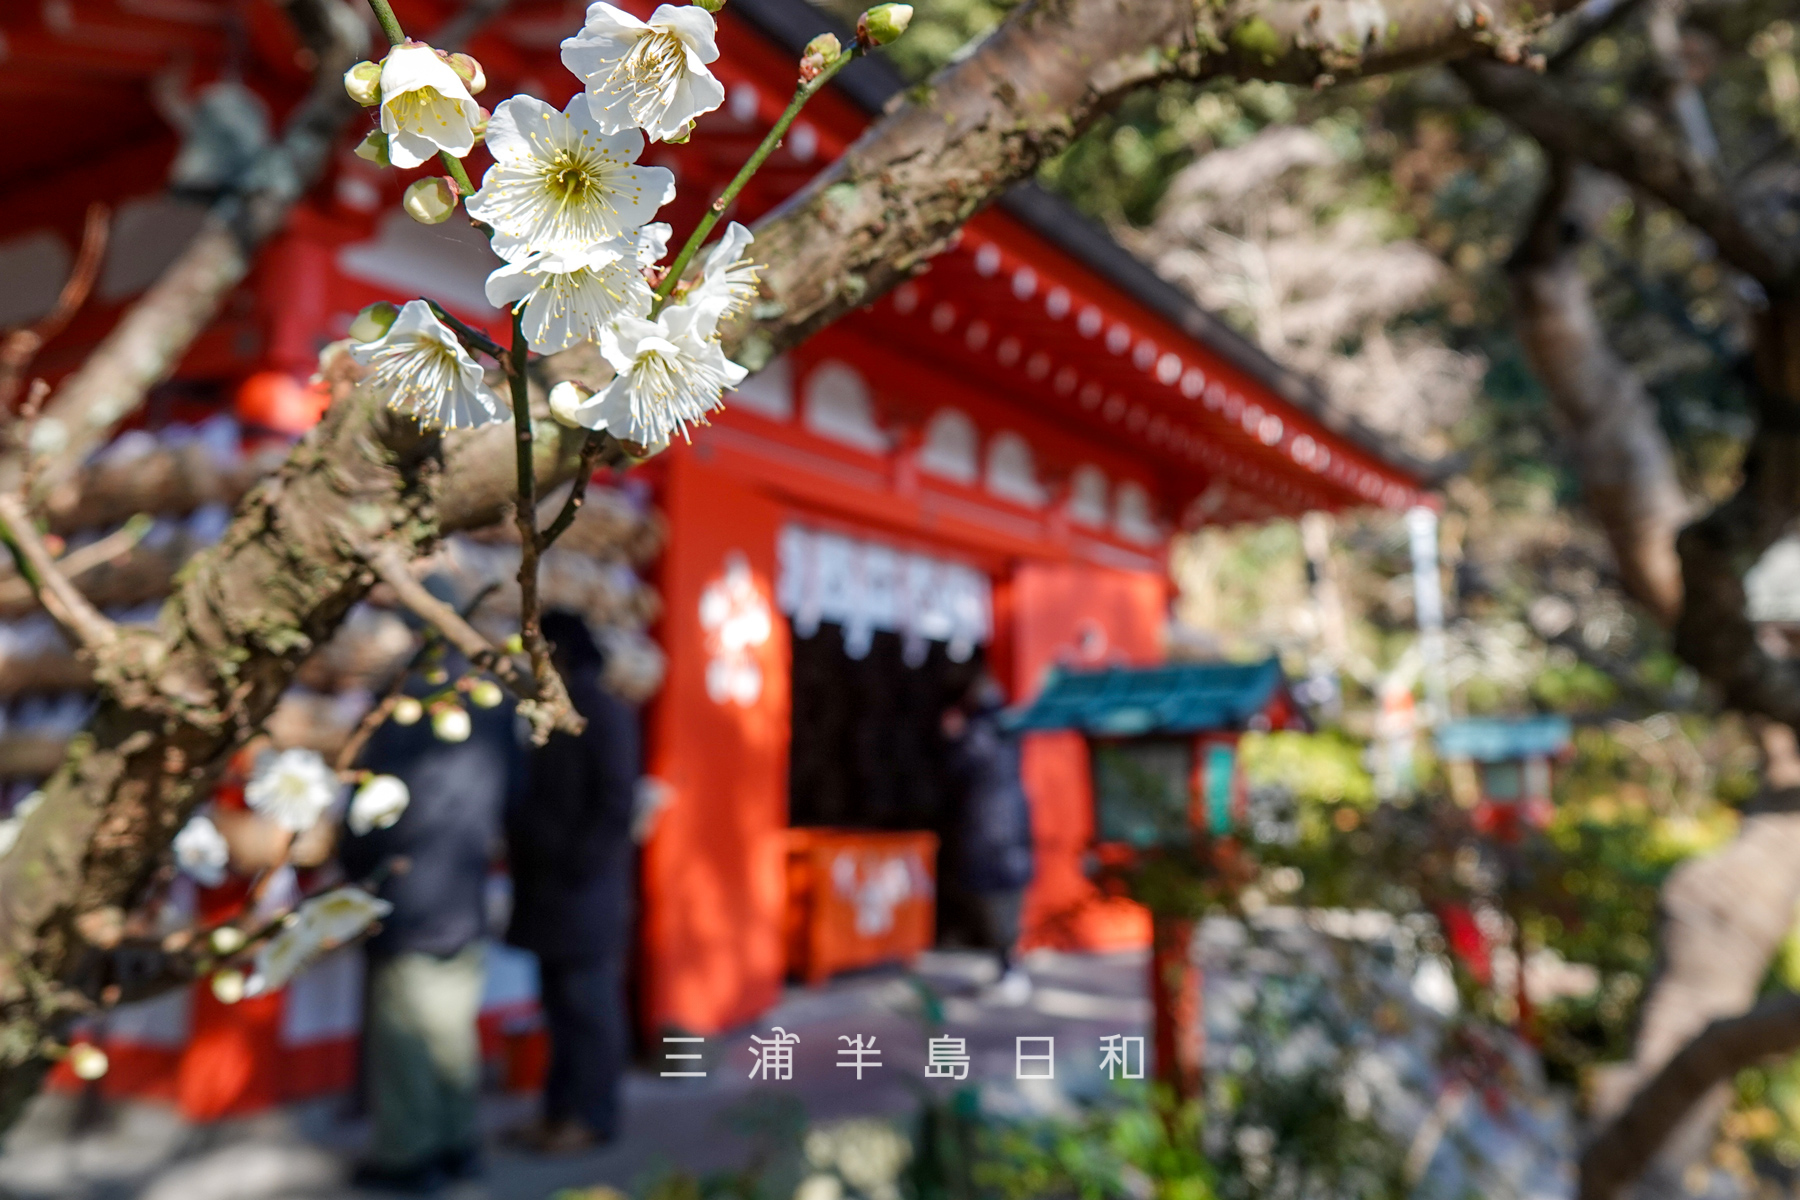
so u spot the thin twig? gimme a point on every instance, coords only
(77, 563)
(60, 598)
(21, 346)
(384, 708)
(394, 570)
(472, 337)
(598, 443)
(525, 503)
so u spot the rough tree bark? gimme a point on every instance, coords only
(248, 610)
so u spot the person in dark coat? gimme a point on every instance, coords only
(569, 841)
(423, 1065)
(996, 859)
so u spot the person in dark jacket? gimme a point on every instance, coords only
(422, 1064)
(569, 841)
(994, 823)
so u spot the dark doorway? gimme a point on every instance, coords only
(867, 749)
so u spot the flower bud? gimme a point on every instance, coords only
(565, 398)
(470, 71)
(228, 986)
(820, 53)
(486, 694)
(451, 724)
(378, 803)
(374, 148)
(373, 322)
(363, 82)
(429, 201)
(227, 939)
(407, 711)
(479, 128)
(88, 1061)
(883, 23)
(514, 644)
(437, 677)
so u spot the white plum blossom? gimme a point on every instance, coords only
(427, 374)
(653, 243)
(425, 106)
(201, 852)
(569, 298)
(650, 75)
(322, 923)
(670, 374)
(728, 284)
(559, 183)
(292, 788)
(378, 804)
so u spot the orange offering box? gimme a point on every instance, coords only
(857, 898)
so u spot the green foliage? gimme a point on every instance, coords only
(1139, 1144)
(1324, 768)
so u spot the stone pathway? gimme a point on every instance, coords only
(137, 1151)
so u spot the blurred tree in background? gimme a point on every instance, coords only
(1371, 235)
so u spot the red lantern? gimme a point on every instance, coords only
(276, 400)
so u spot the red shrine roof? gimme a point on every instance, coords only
(1033, 305)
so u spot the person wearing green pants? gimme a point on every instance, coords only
(423, 1057)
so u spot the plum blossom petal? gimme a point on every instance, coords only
(559, 183)
(650, 75)
(569, 298)
(320, 924)
(653, 243)
(670, 373)
(729, 280)
(292, 788)
(425, 106)
(427, 374)
(201, 852)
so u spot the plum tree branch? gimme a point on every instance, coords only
(1720, 1051)
(151, 337)
(1639, 149)
(874, 217)
(20, 347)
(395, 569)
(39, 568)
(1627, 469)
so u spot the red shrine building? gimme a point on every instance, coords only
(979, 471)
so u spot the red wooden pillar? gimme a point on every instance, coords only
(1175, 983)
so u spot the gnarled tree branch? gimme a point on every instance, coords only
(1721, 1050)
(1633, 145)
(1627, 470)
